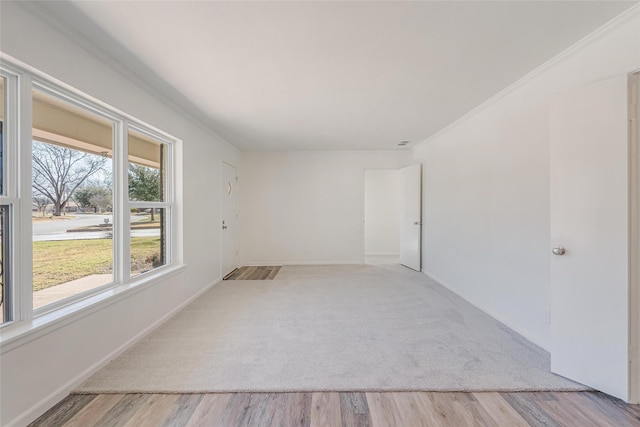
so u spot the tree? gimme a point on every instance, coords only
(101, 201)
(94, 196)
(41, 203)
(144, 184)
(59, 171)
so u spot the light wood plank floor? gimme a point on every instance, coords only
(255, 273)
(317, 409)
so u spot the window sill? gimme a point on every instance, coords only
(20, 333)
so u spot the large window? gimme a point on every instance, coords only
(2, 109)
(6, 307)
(5, 262)
(72, 191)
(148, 201)
(86, 197)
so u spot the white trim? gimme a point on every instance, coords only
(565, 54)
(61, 303)
(149, 205)
(508, 322)
(25, 319)
(76, 99)
(20, 68)
(60, 23)
(167, 204)
(10, 157)
(325, 262)
(363, 213)
(10, 134)
(222, 197)
(177, 239)
(634, 237)
(121, 212)
(124, 215)
(45, 404)
(22, 239)
(374, 254)
(19, 334)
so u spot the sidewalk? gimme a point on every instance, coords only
(66, 290)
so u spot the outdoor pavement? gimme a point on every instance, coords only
(62, 225)
(57, 230)
(69, 289)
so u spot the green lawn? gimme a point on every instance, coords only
(57, 262)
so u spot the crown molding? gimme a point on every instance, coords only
(72, 23)
(632, 13)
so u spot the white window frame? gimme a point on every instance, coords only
(167, 204)
(10, 195)
(21, 81)
(52, 90)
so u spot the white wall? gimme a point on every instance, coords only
(382, 212)
(486, 186)
(38, 373)
(306, 207)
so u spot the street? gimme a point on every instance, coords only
(57, 230)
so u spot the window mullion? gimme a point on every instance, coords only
(122, 220)
(137, 204)
(23, 277)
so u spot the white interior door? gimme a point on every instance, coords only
(411, 217)
(590, 220)
(229, 214)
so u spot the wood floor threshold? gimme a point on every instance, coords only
(230, 274)
(315, 409)
(261, 272)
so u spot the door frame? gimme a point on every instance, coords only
(221, 195)
(419, 221)
(634, 236)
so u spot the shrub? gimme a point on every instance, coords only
(154, 259)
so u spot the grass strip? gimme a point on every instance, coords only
(57, 262)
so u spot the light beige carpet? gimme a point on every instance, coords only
(330, 328)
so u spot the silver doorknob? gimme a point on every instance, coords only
(558, 251)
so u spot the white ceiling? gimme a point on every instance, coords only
(334, 75)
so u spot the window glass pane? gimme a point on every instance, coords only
(147, 159)
(5, 308)
(148, 239)
(3, 101)
(72, 200)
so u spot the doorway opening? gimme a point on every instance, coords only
(382, 216)
(393, 216)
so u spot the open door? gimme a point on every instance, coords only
(411, 216)
(229, 215)
(590, 236)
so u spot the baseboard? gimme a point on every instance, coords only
(374, 254)
(272, 263)
(48, 402)
(525, 333)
